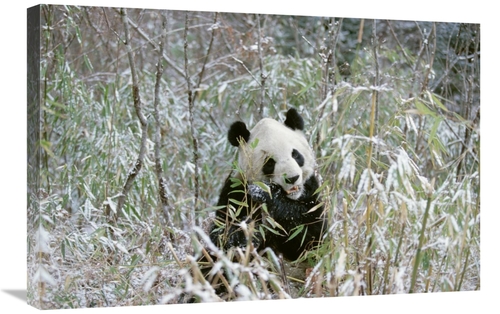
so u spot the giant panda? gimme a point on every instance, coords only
(277, 155)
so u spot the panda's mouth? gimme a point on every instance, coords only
(293, 190)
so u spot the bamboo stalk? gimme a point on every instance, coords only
(420, 243)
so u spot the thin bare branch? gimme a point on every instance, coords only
(205, 60)
(191, 125)
(416, 65)
(166, 208)
(403, 51)
(155, 46)
(263, 76)
(431, 60)
(376, 83)
(330, 66)
(138, 110)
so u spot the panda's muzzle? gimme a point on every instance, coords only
(294, 189)
(292, 180)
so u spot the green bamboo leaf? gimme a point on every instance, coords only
(435, 100)
(325, 184)
(239, 203)
(423, 109)
(262, 232)
(434, 129)
(306, 88)
(296, 232)
(271, 230)
(314, 208)
(235, 182)
(88, 63)
(303, 237)
(275, 224)
(63, 249)
(254, 143)
(46, 146)
(264, 187)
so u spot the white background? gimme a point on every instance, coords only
(13, 153)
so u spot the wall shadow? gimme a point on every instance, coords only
(18, 293)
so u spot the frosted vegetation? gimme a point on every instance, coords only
(394, 120)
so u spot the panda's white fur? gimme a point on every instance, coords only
(277, 141)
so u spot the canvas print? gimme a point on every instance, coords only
(191, 157)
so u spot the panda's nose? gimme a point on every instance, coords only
(292, 180)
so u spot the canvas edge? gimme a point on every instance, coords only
(33, 147)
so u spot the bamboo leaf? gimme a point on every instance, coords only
(435, 100)
(239, 203)
(313, 209)
(434, 128)
(423, 109)
(264, 187)
(275, 224)
(298, 230)
(272, 230)
(304, 237)
(46, 145)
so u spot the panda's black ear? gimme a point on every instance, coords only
(293, 120)
(237, 132)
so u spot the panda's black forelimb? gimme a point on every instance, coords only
(232, 235)
(288, 213)
(292, 214)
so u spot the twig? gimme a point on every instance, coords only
(330, 65)
(403, 51)
(191, 125)
(176, 258)
(469, 89)
(373, 130)
(255, 79)
(246, 68)
(297, 30)
(424, 85)
(159, 171)
(205, 61)
(155, 46)
(333, 85)
(376, 83)
(89, 20)
(360, 32)
(420, 242)
(138, 110)
(200, 75)
(416, 65)
(431, 61)
(286, 284)
(263, 76)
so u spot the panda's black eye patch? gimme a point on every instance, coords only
(268, 168)
(299, 158)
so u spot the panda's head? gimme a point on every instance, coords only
(275, 152)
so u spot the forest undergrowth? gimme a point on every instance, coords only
(135, 107)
